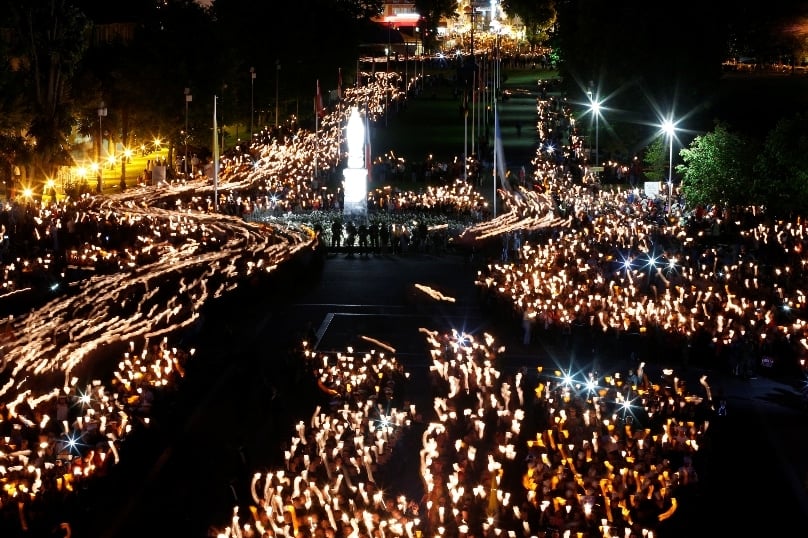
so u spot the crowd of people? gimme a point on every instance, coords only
(52, 445)
(79, 280)
(604, 455)
(79, 275)
(719, 288)
(491, 454)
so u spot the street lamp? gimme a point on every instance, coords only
(188, 99)
(50, 189)
(668, 127)
(594, 105)
(471, 11)
(277, 76)
(125, 159)
(102, 112)
(252, 100)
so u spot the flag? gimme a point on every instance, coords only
(319, 109)
(499, 153)
(339, 84)
(465, 103)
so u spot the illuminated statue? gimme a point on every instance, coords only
(355, 173)
(356, 140)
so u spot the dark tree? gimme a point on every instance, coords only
(47, 39)
(432, 11)
(539, 17)
(290, 45)
(142, 77)
(783, 167)
(650, 59)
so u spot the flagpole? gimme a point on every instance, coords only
(316, 135)
(319, 110)
(368, 152)
(465, 136)
(473, 104)
(215, 159)
(496, 141)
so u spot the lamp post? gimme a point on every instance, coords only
(277, 76)
(252, 100)
(188, 99)
(470, 11)
(594, 105)
(669, 127)
(102, 111)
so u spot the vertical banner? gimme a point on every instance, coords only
(499, 153)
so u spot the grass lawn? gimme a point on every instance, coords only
(432, 123)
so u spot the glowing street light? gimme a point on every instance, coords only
(668, 127)
(50, 188)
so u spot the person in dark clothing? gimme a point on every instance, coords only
(384, 237)
(336, 233)
(362, 234)
(350, 239)
(373, 234)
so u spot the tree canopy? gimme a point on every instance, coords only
(44, 51)
(432, 11)
(538, 16)
(718, 169)
(782, 167)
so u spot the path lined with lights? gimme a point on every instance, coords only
(571, 479)
(183, 256)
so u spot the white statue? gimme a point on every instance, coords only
(355, 137)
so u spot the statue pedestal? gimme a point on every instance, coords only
(356, 191)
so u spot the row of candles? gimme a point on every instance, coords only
(54, 440)
(173, 257)
(578, 455)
